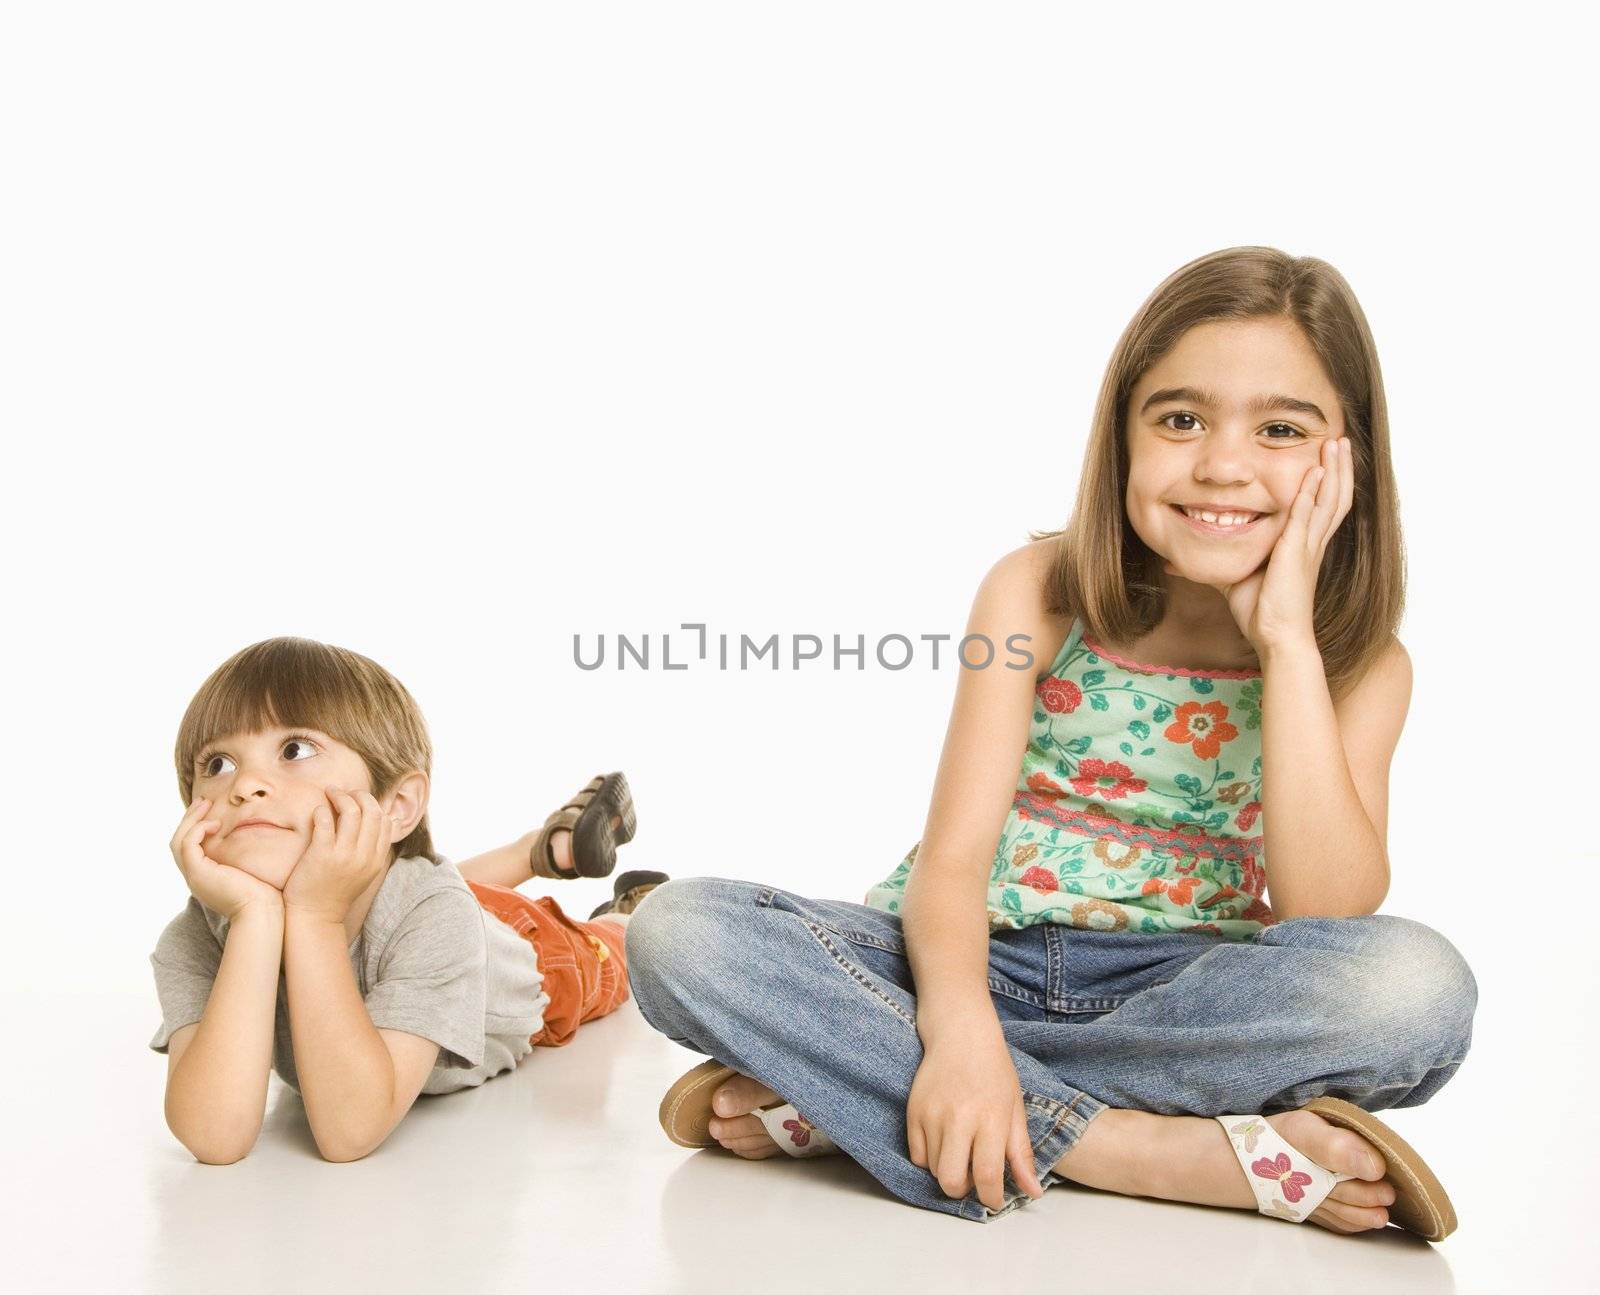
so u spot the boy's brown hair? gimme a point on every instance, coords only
(301, 683)
(1104, 573)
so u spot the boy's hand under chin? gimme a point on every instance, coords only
(343, 859)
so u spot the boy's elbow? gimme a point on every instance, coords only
(339, 1153)
(208, 1157)
(343, 1152)
(217, 1151)
(342, 1146)
(215, 1147)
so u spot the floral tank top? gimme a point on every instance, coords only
(1138, 804)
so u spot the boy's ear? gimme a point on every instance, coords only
(408, 802)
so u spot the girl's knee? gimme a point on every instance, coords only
(1389, 973)
(686, 928)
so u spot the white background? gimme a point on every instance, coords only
(447, 332)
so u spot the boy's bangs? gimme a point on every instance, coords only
(279, 684)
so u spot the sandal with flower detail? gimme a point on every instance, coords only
(1289, 1185)
(686, 1115)
(593, 841)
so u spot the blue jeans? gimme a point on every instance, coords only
(815, 999)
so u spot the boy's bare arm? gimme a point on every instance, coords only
(217, 1070)
(357, 1081)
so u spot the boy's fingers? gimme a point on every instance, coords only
(182, 830)
(371, 825)
(321, 826)
(342, 820)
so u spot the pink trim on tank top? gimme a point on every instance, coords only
(1166, 669)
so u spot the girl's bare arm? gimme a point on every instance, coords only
(946, 929)
(217, 1068)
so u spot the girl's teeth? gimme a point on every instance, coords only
(1222, 519)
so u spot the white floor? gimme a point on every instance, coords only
(557, 1177)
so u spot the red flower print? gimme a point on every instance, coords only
(1204, 723)
(1059, 696)
(1210, 927)
(1221, 896)
(800, 1131)
(1257, 911)
(1255, 878)
(1109, 778)
(1247, 815)
(1292, 1181)
(1043, 785)
(1179, 892)
(1042, 880)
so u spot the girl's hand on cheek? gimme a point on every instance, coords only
(220, 887)
(1273, 605)
(350, 839)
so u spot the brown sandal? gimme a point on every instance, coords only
(588, 817)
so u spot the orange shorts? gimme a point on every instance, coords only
(585, 964)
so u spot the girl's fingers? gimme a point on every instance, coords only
(1020, 1155)
(916, 1144)
(1331, 488)
(1304, 502)
(1347, 476)
(935, 1148)
(989, 1166)
(955, 1164)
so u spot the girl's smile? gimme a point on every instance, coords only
(1219, 527)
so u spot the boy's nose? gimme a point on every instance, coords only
(248, 785)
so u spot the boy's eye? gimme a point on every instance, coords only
(297, 740)
(301, 742)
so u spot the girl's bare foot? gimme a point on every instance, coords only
(733, 1126)
(1189, 1158)
(1172, 1157)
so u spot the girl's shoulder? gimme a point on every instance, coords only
(1012, 600)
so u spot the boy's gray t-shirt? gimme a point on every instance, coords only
(429, 960)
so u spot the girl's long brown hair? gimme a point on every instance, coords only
(1106, 575)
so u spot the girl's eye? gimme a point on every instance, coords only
(1182, 414)
(297, 740)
